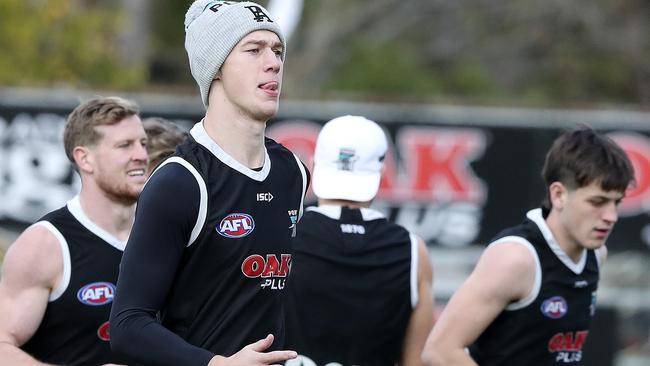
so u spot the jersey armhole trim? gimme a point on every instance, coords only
(65, 253)
(538, 272)
(414, 270)
(304, 185)
(203, 201)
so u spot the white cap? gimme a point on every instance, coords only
(349, 156)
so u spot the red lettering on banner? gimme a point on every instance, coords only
(637, 147)
(299, 136)
(438, 163)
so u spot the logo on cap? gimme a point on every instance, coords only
(346, 159)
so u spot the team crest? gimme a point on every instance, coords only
(236, 225)
(97, 293)
(346, 159)
(555, 307)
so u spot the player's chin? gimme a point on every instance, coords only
(595, 243)
(268, 108)
(132, 191)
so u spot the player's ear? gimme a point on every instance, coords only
(558, 195)
(84, 159)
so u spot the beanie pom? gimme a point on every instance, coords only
(195, 10)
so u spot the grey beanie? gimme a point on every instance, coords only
(213, 29)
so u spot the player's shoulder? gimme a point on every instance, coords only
(511, 256)
(36, 253)
(274, 147)
(172, 171)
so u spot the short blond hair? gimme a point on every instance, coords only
(100, 111)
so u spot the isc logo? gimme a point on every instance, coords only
(97, 293)
(236, 225)
(555, 307)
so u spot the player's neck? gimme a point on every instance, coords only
(564, 240)
(239, 136)
(109, 214)
(351, 204)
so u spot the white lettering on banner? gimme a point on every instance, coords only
(35, 174)
(454, 224)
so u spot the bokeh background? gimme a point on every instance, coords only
(471, 94)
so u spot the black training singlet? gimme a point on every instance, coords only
(551, 325)
(352, 288)
(228, 286)
(74, 329)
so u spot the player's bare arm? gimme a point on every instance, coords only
(505, 273)
(422, 317)
(33, 266)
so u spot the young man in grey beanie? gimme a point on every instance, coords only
(202, 278)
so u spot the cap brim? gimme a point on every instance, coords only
(345, 185)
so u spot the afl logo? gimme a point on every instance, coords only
(236, 225)
(97, 293)
(103, 333)
(555, 307)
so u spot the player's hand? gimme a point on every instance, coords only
(254, 355)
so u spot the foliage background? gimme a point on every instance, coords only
(552, 53)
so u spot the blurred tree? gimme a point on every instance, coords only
(468, 51)
(551, 53)
(168, 62)
(64, 42)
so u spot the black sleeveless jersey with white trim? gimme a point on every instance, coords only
(551, 325)
(228, 286)
(74, 329)
(352, 288)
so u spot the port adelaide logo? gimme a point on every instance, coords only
(554, 307)
(96, 293)
(236, 225)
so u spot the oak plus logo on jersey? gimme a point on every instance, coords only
(236, 225)
(272, 270)
(555, 307)
(96, 293)
(103, 332)
(567, 346)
